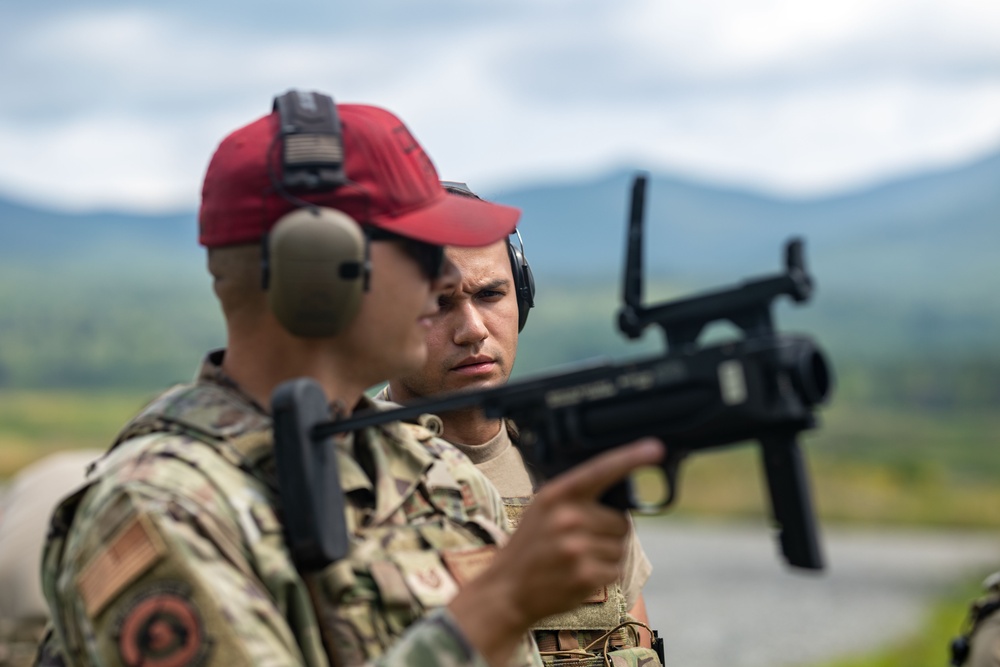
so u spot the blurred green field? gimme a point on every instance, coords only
(869, 464)
(36, 423)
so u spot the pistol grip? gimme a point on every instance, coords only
(791, 502)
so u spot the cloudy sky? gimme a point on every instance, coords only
(119, 104)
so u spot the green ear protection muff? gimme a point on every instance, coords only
(315, 259)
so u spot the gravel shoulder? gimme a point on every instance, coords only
(720, 595)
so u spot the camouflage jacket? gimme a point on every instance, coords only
(174, 553)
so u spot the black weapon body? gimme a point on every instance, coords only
(764, 386)
(728, 393)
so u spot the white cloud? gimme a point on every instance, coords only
(124, 106)
(106, 160)
(785, 144)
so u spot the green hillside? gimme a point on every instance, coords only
(98, 311)
(84, 328)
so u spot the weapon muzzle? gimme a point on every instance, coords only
(810, 374)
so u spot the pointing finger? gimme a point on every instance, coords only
(590, 479)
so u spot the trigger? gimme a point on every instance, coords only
(671, 469)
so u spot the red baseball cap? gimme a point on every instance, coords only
(392, 184)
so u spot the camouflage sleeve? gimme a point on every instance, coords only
(435, 640)
(168, 566)
(159, 577)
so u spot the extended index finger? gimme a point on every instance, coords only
(593, 477)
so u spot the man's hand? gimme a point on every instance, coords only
(566, 546)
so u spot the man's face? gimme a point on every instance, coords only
(388, 336)
(472, 339)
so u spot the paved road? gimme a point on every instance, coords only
(721, 598)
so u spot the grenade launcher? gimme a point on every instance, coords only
(762, 387)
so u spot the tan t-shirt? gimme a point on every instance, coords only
(501, 461)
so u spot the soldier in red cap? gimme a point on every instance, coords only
(325, 226)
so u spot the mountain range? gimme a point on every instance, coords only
(903, 268)
(932, 237)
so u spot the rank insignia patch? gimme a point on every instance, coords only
(162, 628)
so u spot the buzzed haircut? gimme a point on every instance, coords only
(236, 279)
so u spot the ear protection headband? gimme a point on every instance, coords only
(524, 280)
(315, 258)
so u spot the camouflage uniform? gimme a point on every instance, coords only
(174, 554)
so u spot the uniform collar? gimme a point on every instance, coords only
(399, 455)
(211, 371)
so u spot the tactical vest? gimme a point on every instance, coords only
(402, 562)
(600, 626)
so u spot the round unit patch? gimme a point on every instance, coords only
(161, 629)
